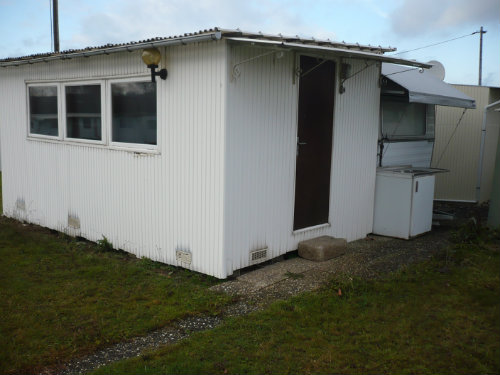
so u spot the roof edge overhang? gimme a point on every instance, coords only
(347, 53)
(227, 33)
(216, 35)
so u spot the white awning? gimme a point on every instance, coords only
(425, 87)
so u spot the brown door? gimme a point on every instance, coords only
(314, 142)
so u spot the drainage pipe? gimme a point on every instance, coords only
(481, 149)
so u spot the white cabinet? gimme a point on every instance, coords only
(403, 202)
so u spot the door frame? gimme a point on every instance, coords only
(337, 61)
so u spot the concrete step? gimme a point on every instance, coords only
(322, 248)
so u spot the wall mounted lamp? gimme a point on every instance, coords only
(152, 57)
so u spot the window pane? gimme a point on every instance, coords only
(83, 112)
(134, 112)
(402, 119)
(43, 110)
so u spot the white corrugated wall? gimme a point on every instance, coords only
(261, 151)
(147, 204)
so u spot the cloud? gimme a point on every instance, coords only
(375, 8)
(31, 42)
(131, 20)
(415, 18)
(490, 79)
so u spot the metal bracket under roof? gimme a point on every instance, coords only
(235, 72)
(346, 74)
(330, 51)
(314, 67)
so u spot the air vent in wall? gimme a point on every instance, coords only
(183, 256)
(258, 256)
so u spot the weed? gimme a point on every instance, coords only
(473, 232)
(146, 356)
(104, 245)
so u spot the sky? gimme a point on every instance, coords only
(25, 25)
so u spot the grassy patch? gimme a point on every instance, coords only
(439, 317)
(61, 298)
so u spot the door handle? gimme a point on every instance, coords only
(299, 143)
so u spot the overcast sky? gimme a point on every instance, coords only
(26, 28)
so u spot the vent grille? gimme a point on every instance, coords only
(258, 256)
(73, 221)
(183, 256)
(20, 205)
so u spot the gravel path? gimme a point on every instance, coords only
(135, 347)
(367, 258)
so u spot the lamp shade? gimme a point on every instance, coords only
(151, 56)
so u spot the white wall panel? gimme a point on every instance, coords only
(147, 204)
(261, 152)
(354, 153)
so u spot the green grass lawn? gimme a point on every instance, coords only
(441, 317)
(61, 298)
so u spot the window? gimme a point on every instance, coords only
(401, 119)
(133, 112)
(43, 114)
(116, 112)
(83, 112)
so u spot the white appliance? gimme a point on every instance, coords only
(403, 201)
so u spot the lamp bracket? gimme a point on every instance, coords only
(161, 73)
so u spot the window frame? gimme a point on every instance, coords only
(106, 114)
(124, 145)
(29, 134)
(101, 83)
(429, 114)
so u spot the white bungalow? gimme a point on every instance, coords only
(252, 144)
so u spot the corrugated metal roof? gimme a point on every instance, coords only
(215, 33)
(308, 41)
